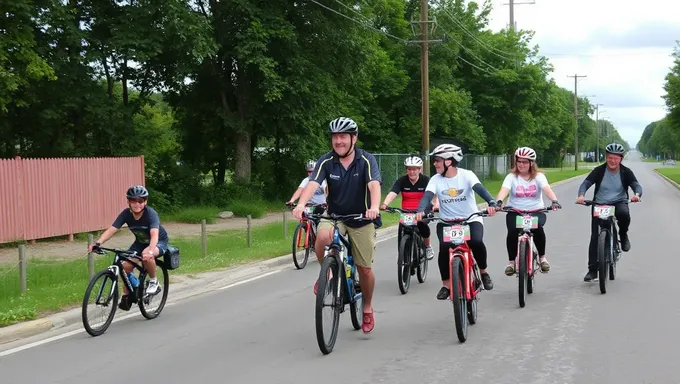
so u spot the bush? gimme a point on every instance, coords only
(194, 215)
(254, 208)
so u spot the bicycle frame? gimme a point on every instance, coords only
(117, 269)
(463, 251)
(342, 254)
(607, 224)
(309, 227)
(526, 235)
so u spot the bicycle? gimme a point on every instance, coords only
(466, 283)
(337, 257)
(526, 262)
(608, 247)
(170, 261)
(411, 243)
(309, 228)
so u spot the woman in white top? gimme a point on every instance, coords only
(526, 186)
(455, 189)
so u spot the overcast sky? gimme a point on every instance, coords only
(622, 46)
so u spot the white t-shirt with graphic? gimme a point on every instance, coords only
(319, 196)
(525, 194)
(455, 194)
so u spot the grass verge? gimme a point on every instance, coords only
(672, 173)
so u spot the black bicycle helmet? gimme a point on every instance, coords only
(343, 125)
(136, 192)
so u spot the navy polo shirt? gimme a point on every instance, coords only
(348, 188)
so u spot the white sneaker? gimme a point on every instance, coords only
(153, 288)
(430, 253)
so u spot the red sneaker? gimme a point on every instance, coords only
(368, 323)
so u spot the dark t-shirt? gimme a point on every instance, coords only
(411, 194)
(348, 188)
(142, 228)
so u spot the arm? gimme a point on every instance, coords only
(374, 188)
(373, 180)
(635, 185)
(317, 178)
(484, 194)
(307, 193)
(107, 235)
(393, 193)
(425, 200)
(587, 183)
(543, 184)
(505, 188)
(297, 194)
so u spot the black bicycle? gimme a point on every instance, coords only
(608, 247)
(339, 279)
(107, 291)
(412, 256)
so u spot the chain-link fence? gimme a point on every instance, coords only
(484, 166)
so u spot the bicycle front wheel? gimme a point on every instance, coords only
(603, 259)
(458, 289)
(404, 263)
(299, 237)
(328, 295)
(104, 289)
(522, 274)
(422, 266)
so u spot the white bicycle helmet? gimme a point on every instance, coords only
(310, 165)
(448, 151)
(343, 125)
(525, 153)
(413, 161)
(615, 148)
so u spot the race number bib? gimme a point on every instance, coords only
(309, 210)
(408, 218)
(456, 234)
(603, 211)
(527, 222)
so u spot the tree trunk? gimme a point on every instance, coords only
(243, 158)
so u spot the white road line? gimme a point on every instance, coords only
(249, 280)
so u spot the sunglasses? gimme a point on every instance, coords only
(138, 201)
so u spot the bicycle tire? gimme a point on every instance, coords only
(300, 264)
(356, 308)
(404, 264)
(140, 292)
(602, 259)
(472, 303)
(112, 303)
(522, 274)
(458, 289)
(421, 271)
(531, 281)
(329, 263)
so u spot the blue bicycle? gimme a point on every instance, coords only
(337, 258)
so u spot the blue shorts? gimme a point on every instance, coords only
(139, 247)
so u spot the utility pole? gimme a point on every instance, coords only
(424, 23)
(512, 12)
(597, 128)
(576, 157)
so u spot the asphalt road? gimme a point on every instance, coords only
(263, 331)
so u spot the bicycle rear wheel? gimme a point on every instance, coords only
(356, 307)
(146, 302)
(603, 259)
(299, 237)
(106, 297)
(458, 290)
(404, 263)
(329, 278)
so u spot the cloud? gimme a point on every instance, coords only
(622, 47)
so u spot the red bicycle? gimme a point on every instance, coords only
(304, 236)
(526, 262)
(466, 280)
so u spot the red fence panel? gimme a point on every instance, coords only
(59, 196)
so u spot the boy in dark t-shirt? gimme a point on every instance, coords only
(151, 239)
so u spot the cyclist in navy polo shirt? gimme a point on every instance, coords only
(354, 180)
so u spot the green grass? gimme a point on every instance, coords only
(241, 208)
(672, 173)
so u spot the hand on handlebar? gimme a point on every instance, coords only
(298, 211)
(580, 200)
(635, 199)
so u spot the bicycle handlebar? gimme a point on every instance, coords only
(100, 250)
(336, 217)
(293, 205)
(461, 221)
(524, 211)
(588, 203)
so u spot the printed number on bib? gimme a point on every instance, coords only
(456, 234)
(603, 211)
(408, 218)
(527, 222)
(309, 210)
